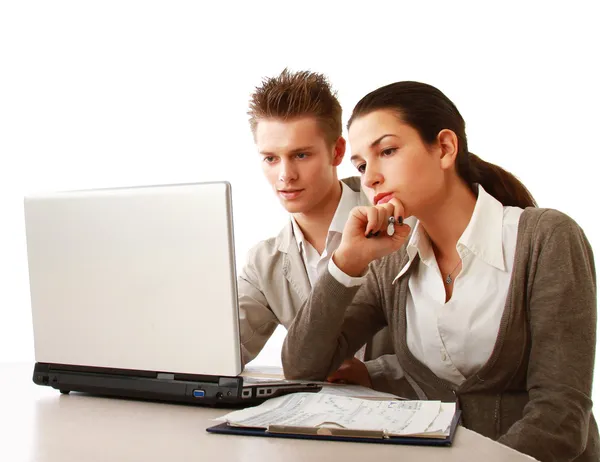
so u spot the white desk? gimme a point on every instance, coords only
(39, 424)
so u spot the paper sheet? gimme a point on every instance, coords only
(355, 391)
(317, 409)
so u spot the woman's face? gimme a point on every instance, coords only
(393, 160)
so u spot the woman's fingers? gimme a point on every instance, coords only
(398, 210)
(380, 217)
(372, 221)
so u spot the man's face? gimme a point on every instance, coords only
(297, 161)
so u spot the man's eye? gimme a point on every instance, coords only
(302, 155)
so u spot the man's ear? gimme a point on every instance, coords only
(339, 149)
(448, 148)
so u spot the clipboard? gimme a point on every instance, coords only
(335, 434)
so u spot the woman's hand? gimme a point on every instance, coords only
(365, 237)
(352, 371)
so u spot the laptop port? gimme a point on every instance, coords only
(198, 393)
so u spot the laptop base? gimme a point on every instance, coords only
(203, 390)
(179, 388)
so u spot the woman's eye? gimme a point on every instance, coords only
(388, 151)
(361, 168)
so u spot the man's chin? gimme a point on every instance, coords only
(291, 207)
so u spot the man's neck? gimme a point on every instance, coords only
(316, 222)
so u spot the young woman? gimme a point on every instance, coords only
(490, 301)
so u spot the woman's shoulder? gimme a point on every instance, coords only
(545, 221)
(550, 228)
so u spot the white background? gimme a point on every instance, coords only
(117, 93)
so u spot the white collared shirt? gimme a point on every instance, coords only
(315, 264)
(455, 339)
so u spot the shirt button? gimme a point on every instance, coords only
(444, 356)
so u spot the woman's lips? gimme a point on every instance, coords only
(382, 199)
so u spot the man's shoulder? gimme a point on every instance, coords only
(268, 252)
(353, 182)
(264, 248)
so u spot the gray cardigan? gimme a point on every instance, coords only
(534, 392)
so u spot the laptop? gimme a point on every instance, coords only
(134, 294)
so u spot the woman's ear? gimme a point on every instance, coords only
(448, 143)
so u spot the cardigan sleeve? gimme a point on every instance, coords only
(256, 319)
(562, 318)
(331, 326)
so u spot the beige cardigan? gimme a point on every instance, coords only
(534, 392)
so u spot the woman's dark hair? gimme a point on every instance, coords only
(429, 111)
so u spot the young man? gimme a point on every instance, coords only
(296, 121)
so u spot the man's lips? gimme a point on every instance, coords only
(289, 193)
(383, 198)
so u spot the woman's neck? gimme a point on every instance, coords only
(446, 222)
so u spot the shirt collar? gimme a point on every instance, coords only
(418, 244)
(348, 201)
(298, 234)
(482, 236)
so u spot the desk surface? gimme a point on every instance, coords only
(41, 425)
